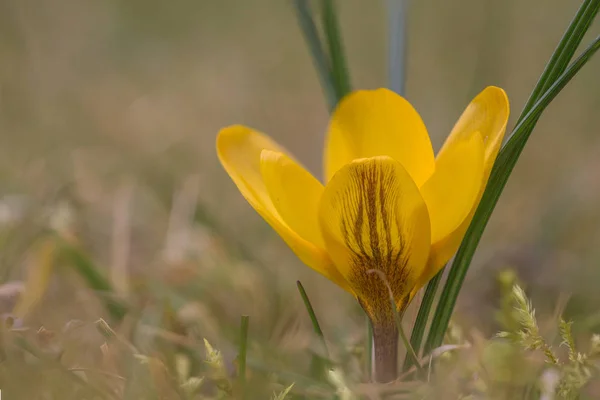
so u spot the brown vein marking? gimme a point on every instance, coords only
(368, 202)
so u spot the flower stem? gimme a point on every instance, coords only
(369, 358)
(385, 354)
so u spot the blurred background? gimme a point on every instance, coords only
(108, 117)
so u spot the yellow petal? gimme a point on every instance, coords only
(245, 155)
(453, 189)
(487, 114)
(450, 195)
(373, 218)
(239, 149)
(371, 123)
(295, 193)
(486, 117)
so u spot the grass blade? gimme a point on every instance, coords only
(339, 69)
(558, 61)
(499, 176)
(93, 277)
(564, 52)
(319, 57)
(241, 360)
(416, 338)
(313, 317)
(409, 348)
(397, 12)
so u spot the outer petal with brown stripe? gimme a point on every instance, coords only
(376, 229)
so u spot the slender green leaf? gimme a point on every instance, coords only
(498, 178)
(407, 345)
(241, 360)
(558, 61)
(94, 278)
(416, 337)
(564, 51)
(319, 57)
(397, 12)
(339, 68)
(313, 317)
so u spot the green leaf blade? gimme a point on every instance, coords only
(498, 179)
(564, 52)
(339, 68)
(319, 57)
(416, 338)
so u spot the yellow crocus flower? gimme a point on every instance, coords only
(386, 204)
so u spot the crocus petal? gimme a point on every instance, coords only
(248, 157)
(450, 195)
(373, 218)
(295, 193)
(371, 123)
(486, 116)
(239, 149)
(453, 189)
